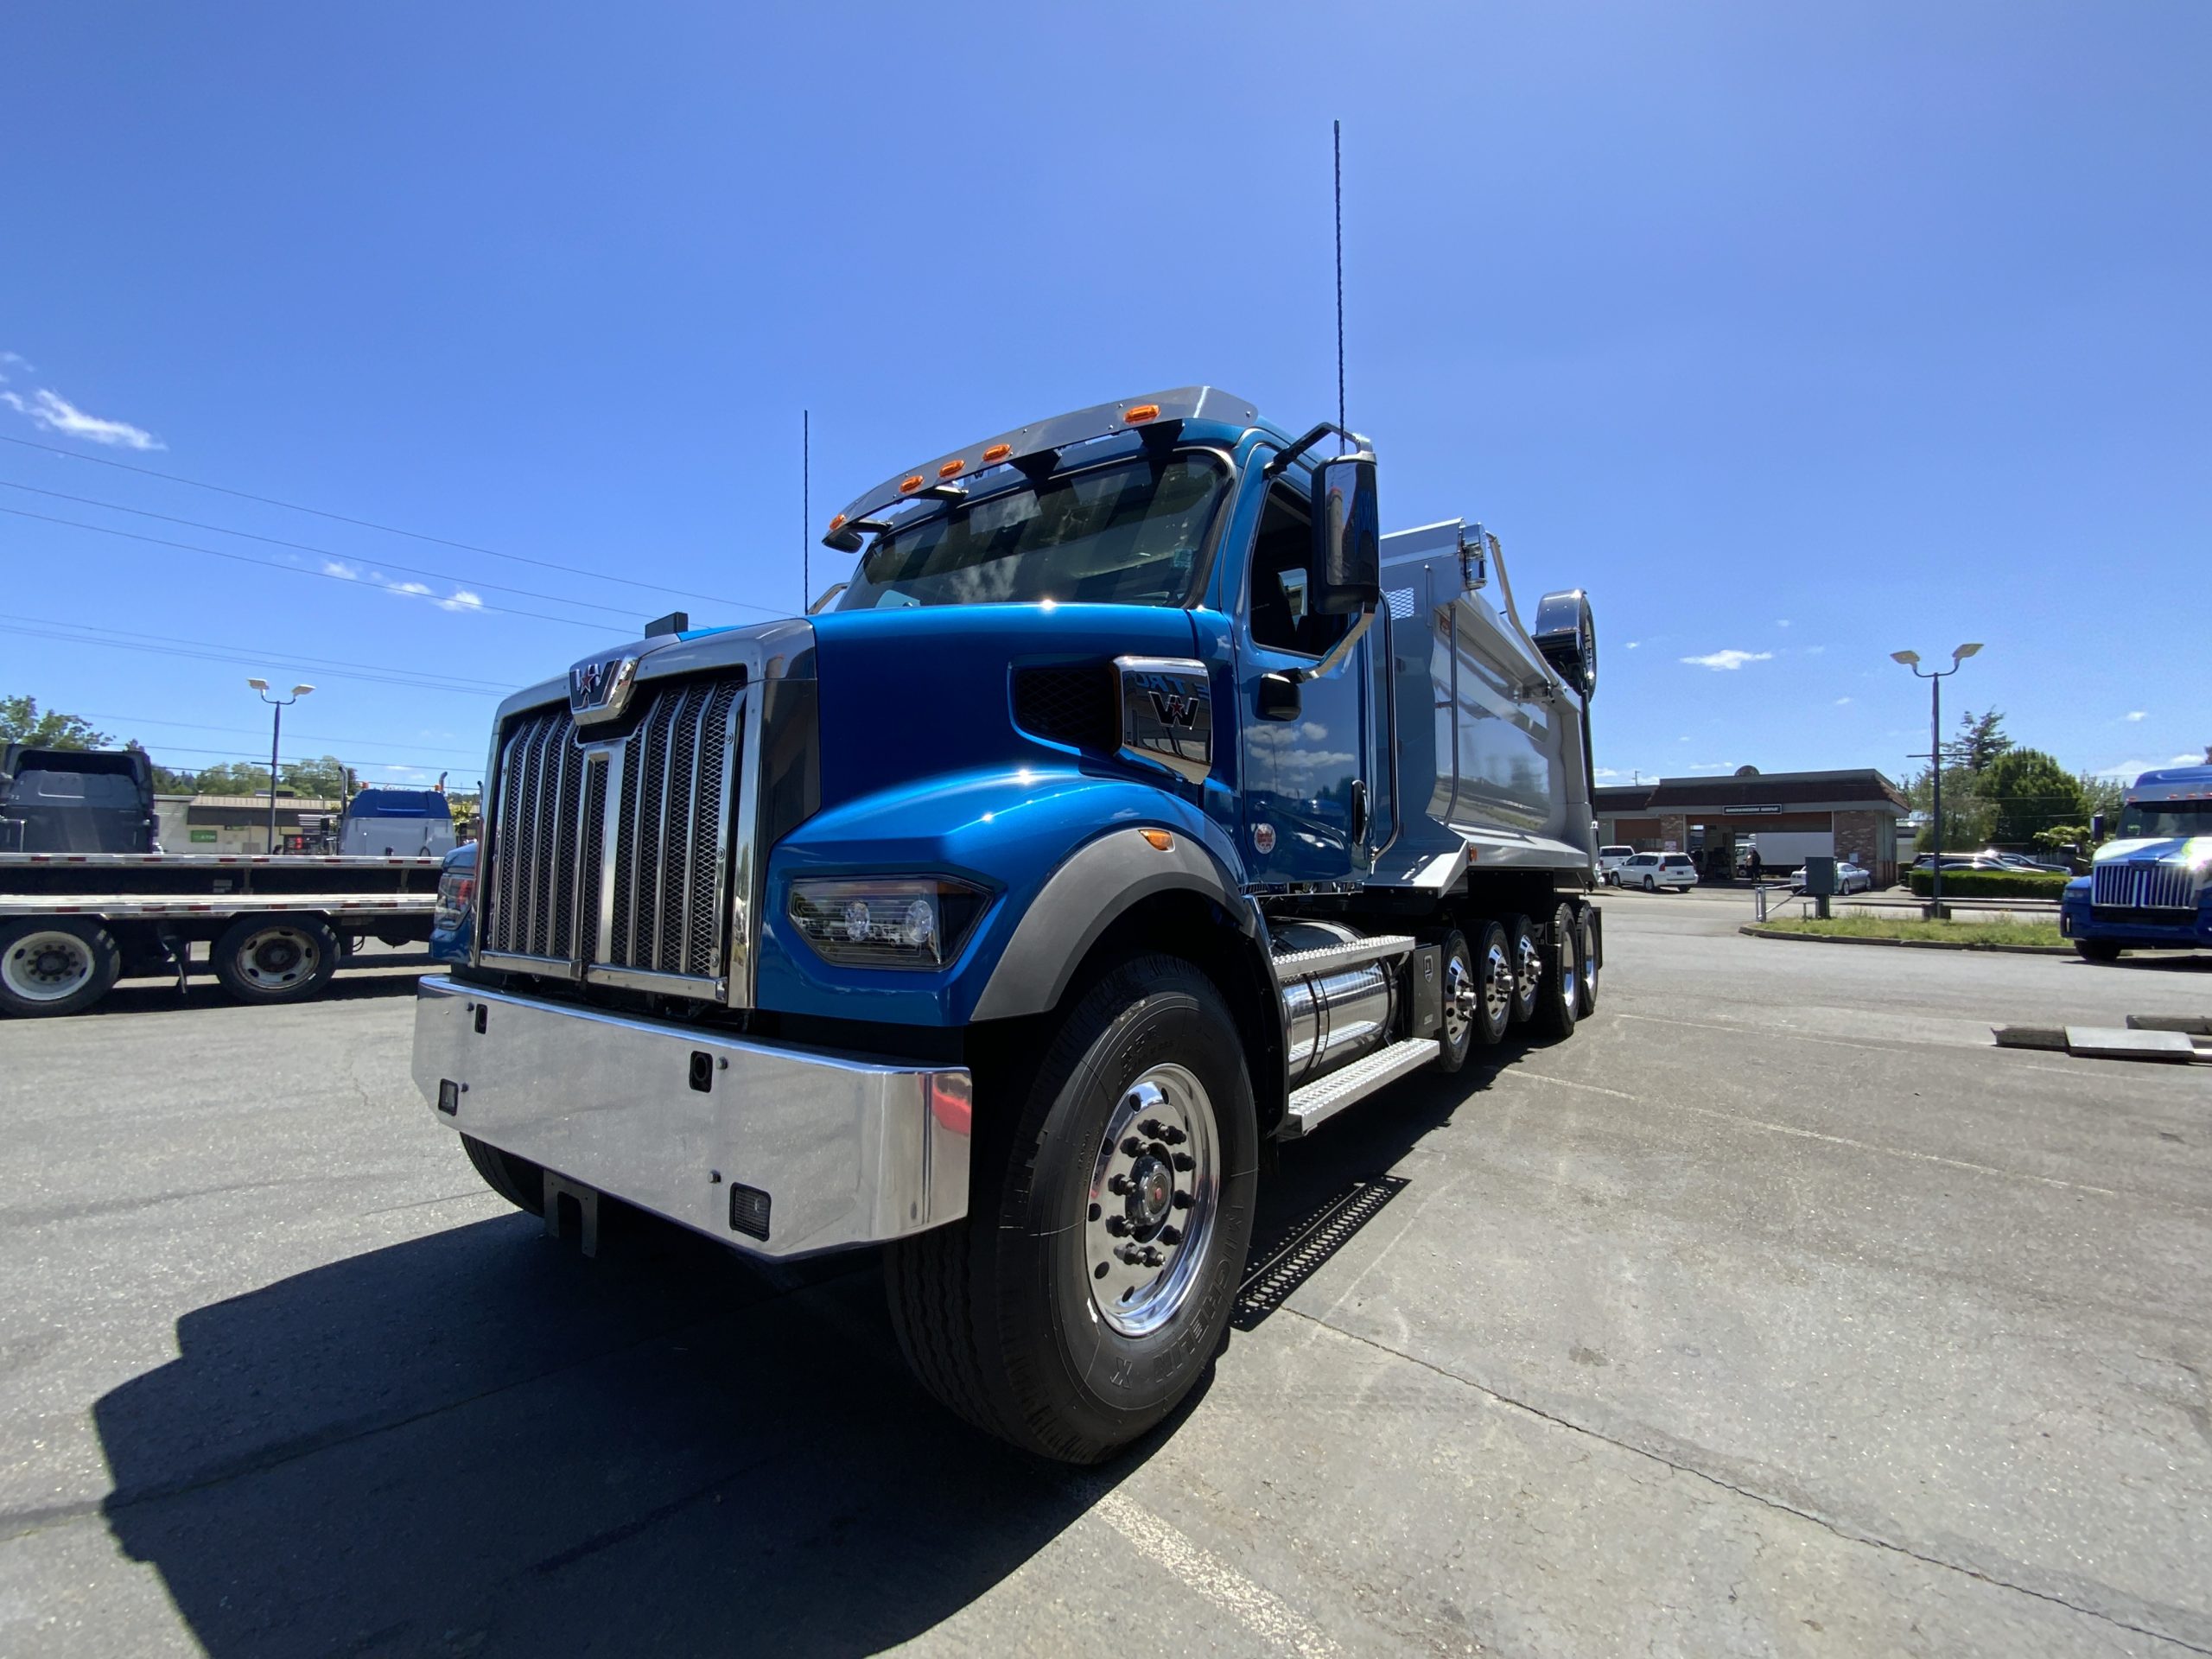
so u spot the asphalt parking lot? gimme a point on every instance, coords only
(1775, 1312)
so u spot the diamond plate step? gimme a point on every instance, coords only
(1321, 1100)
(1330, 959)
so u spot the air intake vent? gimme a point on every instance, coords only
(1073, 704)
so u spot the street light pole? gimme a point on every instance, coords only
(1935, 678)
(277, 706)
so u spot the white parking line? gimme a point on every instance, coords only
(1263, 1612)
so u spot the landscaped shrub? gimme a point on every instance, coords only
(1991, 884)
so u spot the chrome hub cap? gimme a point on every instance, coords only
(1154, 1193)
(47, 967)
(277, 956)
(1461, 997)
(1529, 969)
(1498, 987)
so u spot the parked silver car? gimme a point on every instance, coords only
(1849, 878)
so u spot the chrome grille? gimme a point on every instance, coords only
(662, 908)
(2143, 886)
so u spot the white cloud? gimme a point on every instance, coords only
(1632, 644)
(462, 600)
(1712, 765)
(1840, 701)
(418, 588)
(333, 568)
(2137, 713)
(1605, 772)
(1782, 623)
(1729, 659)
(2202, 760)
(54, 413)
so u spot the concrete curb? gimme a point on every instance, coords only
(1756, 932)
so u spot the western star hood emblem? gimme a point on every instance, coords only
(599, 687)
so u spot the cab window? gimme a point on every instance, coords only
(1282, 574)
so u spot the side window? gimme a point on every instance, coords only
(1282, 558)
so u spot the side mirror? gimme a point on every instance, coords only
(1280, 697)
(1348, 563)
(1566, 634)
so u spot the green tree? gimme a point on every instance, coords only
(165, 781)
(231, 777)
(1981, 738)
(2026, 792)
(21, 722)
(2101, 794)
(324, 779)
(1965, 815)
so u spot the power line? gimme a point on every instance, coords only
(304, 737)
(298, 570)
(322, 552)
(207, 651)
(366, 523)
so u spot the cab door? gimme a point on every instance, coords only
(1306, 748)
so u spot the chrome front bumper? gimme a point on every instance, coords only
(849, 1151)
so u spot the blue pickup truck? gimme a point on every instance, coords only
(1135, 805)
(2150, 886)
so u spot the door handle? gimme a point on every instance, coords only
(1358, 811)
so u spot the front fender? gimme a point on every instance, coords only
(1017, 831)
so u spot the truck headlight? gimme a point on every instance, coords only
(886, 921)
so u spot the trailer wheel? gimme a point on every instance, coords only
(517, 1180)
(1110, 1209)
(1527, 967)
(275, 958)
(2097, 950)
(1491, 1014)
(1560, 1004)
(55, 967)
(1586, 933)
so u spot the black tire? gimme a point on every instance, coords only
(1587, 934)
(997, 1314)
(1462, 993)
(2097, 950)
(517, 1180)
(56, 966)
(275, 958)
(1559, 1002)
(1493, 960)
(1527, 952)
(1651, 884)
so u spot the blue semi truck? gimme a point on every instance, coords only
(1136, 806)
(2150, 886)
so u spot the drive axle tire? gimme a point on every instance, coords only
(2097, 950)
(54, 967)
(1559, 1001)
(517, 1180)
(1494, 983)
(1527, 967)
(1586, 933)
(1462, 998)
(1110, 1210)
(275, 958)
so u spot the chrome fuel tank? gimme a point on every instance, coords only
(1331, 1018)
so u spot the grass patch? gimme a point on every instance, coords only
(1912, 927)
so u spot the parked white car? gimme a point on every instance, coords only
(1652, 871)
(1610, 859)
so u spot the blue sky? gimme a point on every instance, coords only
(1797, 335)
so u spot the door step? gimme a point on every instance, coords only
(1322, 1099)
(1334, 958)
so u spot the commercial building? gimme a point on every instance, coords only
(239, 824)
(1786, 815)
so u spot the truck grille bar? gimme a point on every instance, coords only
(609, 859)
(2144, 886)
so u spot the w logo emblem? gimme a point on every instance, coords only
(1175, 710)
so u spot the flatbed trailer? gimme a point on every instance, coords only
(276, 926)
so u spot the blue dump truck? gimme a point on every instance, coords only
(2150, 886)
(1136, 806)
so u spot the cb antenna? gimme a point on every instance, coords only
(1337, 143)
(806, 509)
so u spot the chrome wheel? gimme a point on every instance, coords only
(1154, 1193)
(1497, 986)
(1527, 967)
(276, 957)
(1460, 998)
(47, 966)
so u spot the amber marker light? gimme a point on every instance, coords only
(1142, 413)
(997, 453)
(837, 524)
(1160, 840)
(908, 485)
(952, 469)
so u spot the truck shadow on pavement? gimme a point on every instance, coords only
(477, 1442)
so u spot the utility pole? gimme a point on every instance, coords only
(277, 706)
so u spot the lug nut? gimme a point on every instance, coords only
(1184, 1161)
(1151, 1129)
(1170, 1236)
(1133, 1146)
(1118, 1225)
(1119, 1185)
(1173, 1137)
(1182, 1200)
(1151, 1257)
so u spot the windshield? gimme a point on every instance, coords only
(1129, 533)
(2163, 820)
